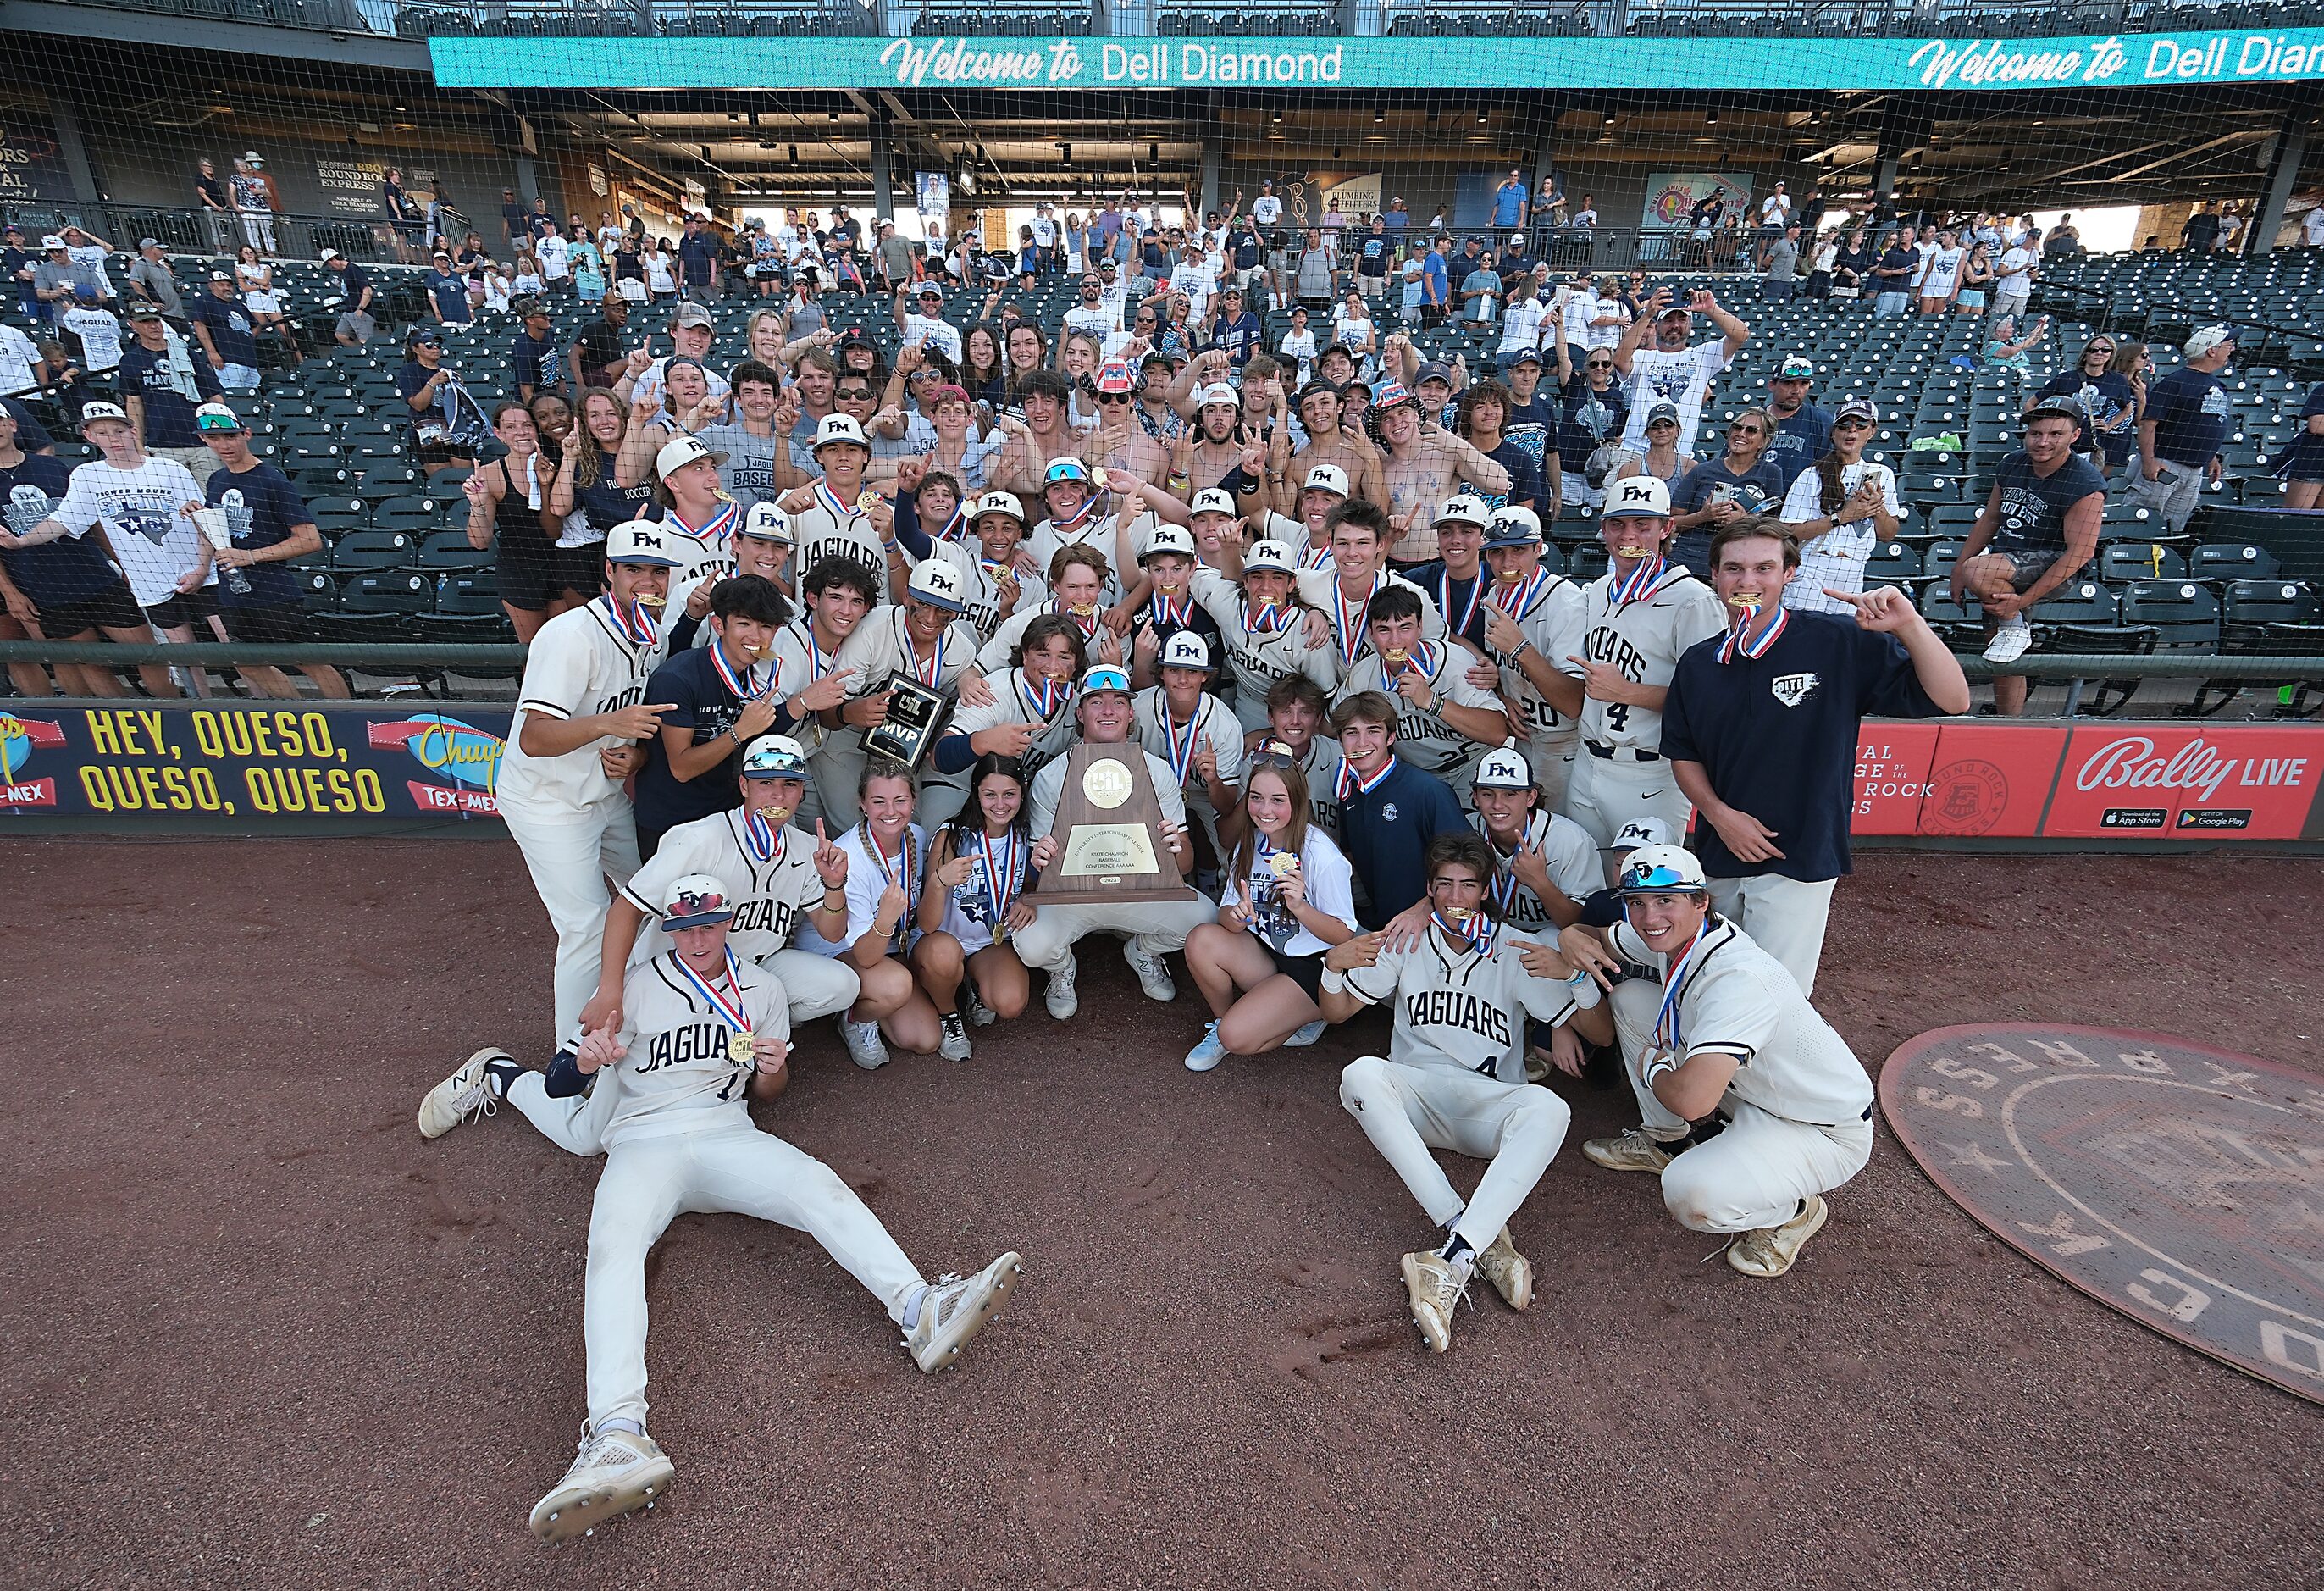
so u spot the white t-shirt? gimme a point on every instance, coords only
(580, 664)
(1044, 231)
(554, 256)
(1351, 332)
(1839, 557)
(17, 356)
(1096, 319)
(932, 331)
(2312, 228)
(1683, 377)
(1266, 210)
(154, 545)
(1940, 271)
(1330, 890)
(1777, 207)
(2015, 266)
(1299, 347)
(867, 878)
(1521, 324)
(1193, 278)
(99, 334)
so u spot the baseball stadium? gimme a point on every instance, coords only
(1387, 794)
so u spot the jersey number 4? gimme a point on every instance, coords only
(1617, 716)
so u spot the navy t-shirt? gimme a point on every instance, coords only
(1531, 425)
(707, 707)
(1759, 490)
(2033, 507)
(261, 509)
(144, 374)
(2102, 400)
(72, 569)
(2190, 411)
(1899, 259)
(1526, 484)
(352, 282)
(450, 294)
(1453, 599)
(1372, 251)
(1799, 442)
(695, 256)
(1588, 419)
(229, 324)
(1384, 835)
(1245, 249)
(1237, 338)
(408, 379)
(539, 362)
(1776, 735)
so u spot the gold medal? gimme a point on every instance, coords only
(741, 1048)
(867, 499)
(1458, 916)
(651, 600)
(1283, 863)
(1630, 552)
(1082, 610)
(1394, 654)
(1749, 603)
(720, 493)
(778, 816)
(1098, 478)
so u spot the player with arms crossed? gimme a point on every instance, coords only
(701, 1031)
(580, 714)
(1454, 1075)
(1723, 1031)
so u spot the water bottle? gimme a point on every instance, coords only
(211, 521)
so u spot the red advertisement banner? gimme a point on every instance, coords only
(1893, 761)
(2225, 781)
(1991, 781)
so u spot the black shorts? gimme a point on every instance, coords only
(188, 607)
(580, 569)
(265, 626)
(1306, 971)
(112, 609)
(527, 577)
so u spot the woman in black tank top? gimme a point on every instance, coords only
(503, 513)
(585, 486)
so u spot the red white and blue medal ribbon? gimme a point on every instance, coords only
(931, 672)
(1444, 601)
(727, 1008)
(819, 663)
(1524, 594)
(1003, 872)
(1074, 527)
(1166, 613)
(956, 528)
(717, 529)
(1180, 748)
(1314, 557)
(1087, 626)
(1735, 643)
(1639, 583)
(1422, 657)
(909, 855)
(842, 514)
(1046, 701)
(1673, 983)
(745, 686)
(1352, 624)
(761, 839)
(1351, 782)
(1479, 943)
(1271, 619)
(635, 624)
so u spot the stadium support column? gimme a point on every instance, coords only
(2282, 180)
(1897, 134)
(884, 172)
(76, 152)
(1212, 147)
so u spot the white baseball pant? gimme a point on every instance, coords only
(1406, 1111)
(1159, 926)
(812, 985)
(648, 1181)
(1605, 794)
(576, 1123)
(569, 859)
(1756, 1170)
(940, 798)
(838, 769)
(1552, 762)
(1784, 917)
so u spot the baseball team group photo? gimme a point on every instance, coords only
(1635, 855)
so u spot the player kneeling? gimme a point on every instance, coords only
(1455, 1074)
(701, 1029)
(972, 907)
(1726, 1033)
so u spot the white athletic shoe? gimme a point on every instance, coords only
(1153, 972)
(953, 1045)
(1060, 998)
(1770, 1250)
(973, 1006)
(1510, 1271)
(863, 1045)
(1634, 1150)
(1434, 1288)
(2011, 640)
(614, 1473)
(1306, 1035)
(462, 1096)
(1207, 1051)
(956, 1310)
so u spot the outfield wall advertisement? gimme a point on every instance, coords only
(249, 766)
(2111, 61)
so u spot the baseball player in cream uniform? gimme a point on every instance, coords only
(836, 521)
(1261, 628)
(1181, 731)
(1118, 537)
(580, 715)
(1444, 723)
(701, 1029)
(1454, 1075)
(1546, 864)
(1150, 928)
(776, 879)
(992, 589)
(1637, 619)
(1723, 1030)
(923, 639)
(1533, 621)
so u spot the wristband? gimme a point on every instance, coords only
(1661, 1065)
(1333, 981)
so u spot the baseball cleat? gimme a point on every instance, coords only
(2011, 640)
(1510, 1271)
(1435, 1287)
(1634, 1150)
(864, 1045)
(1153, 973)
(956, 1308)
(615, 1473)
(462, 1096)
(1306, 1035)
(1537, 1064)
(953, 1044)
(1769, 1251)
(1207, 1051)
(1060, 997)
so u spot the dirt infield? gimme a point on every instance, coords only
(262, 1334)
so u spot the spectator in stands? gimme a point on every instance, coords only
(1779, 261)
(254, 278)
(1739, 484)
(1774, 219)
(1585, 219)
(2311, 226)
(151, 281)
(1802, 429)
(24, 367)
(599, 353)
(59, 273)
(1593, 414)
(2109, 403)
(65, 589)
(2302, 468)
(2186, 418)
(98, 335)
(443, 218)
(1483, 423)
(2039, 526)
(1313, 273)
(514, 227)
(1522, 323)
(1512, 202)
(161, 383)
(1669, 369)
(1938, 277)
(267, 527)
(1892, 276)
(1841, 509)
(222, 327)
(553, 258)
(1976, 277)
(698, 262)
(252, 193)
(2065, 240)
(661, 272)
(2004, 349)
(690, 336)
(406, 221)
(18, 265)
(534, 358)
(216, 203)
(448, 292)
(1481, 291)
(2013, 278)
(1549, 205)
(1436, 282)
(2200, 236)
(430, 392)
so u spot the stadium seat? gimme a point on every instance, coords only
(2221, 562)
(444, 551)
(2112, 695)
(2185, 614)
(2135, 560)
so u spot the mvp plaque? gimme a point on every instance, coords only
(1108, 833)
